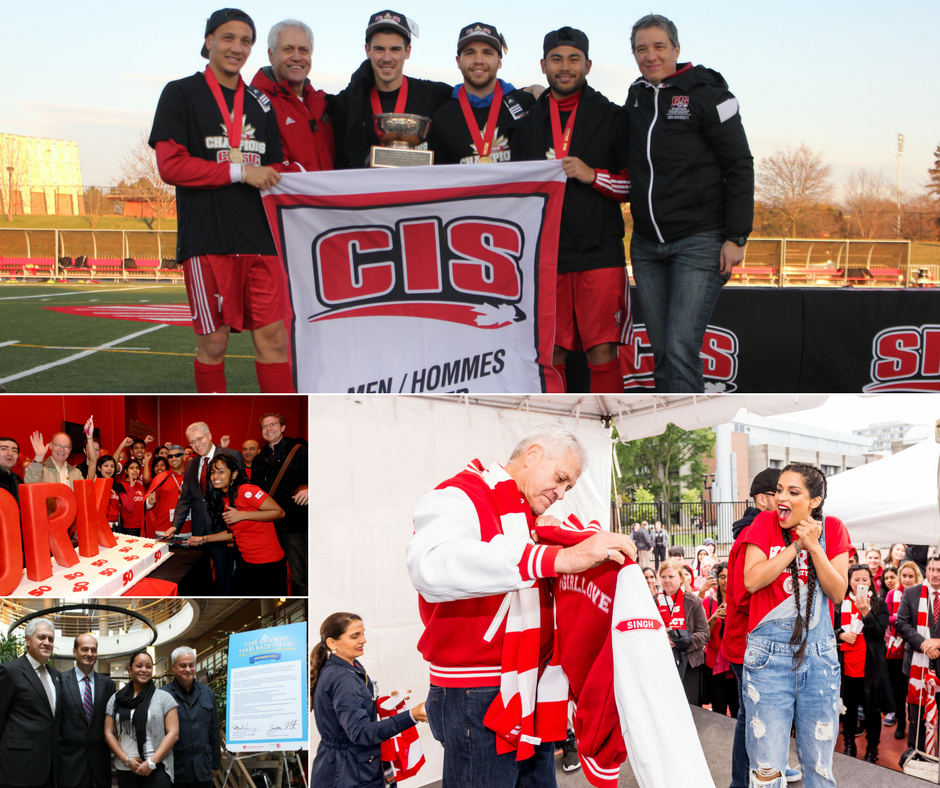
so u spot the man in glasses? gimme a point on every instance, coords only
(164, 492)
(192, 506)
(50, 460)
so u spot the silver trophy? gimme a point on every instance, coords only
(400, 134)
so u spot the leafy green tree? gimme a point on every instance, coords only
(656, 464)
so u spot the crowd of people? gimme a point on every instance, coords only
(62, 730)
(678, 143)
(247, 511)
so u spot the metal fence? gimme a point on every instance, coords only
(96, 244)
(688, 524)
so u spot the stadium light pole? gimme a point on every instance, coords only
(900, 151)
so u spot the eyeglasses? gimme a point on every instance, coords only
(174, 456)
(60, 446)
(197, 440)
(271, 426)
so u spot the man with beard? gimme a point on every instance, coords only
(575, 123)
(378, 86)
(164, 492)
(302, 117)
(9, 456)
(475, 126)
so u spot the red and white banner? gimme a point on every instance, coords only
(422, 279)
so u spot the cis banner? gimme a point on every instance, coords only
(422, 279)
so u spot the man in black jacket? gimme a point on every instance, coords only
(9, 456)
(290, 493)
(378, 86)
(30, 710)
(197, 753)
(692, 177)
(84, 757)
(575, 123)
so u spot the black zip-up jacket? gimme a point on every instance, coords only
(691, 169)
(591, 234)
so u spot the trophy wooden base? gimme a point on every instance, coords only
(398, 157)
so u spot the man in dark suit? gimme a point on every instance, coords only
(30, 695)
(84, 758)
(907, 628)
(192, 506)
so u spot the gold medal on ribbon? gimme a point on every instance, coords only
(484, 160)
(235, 155)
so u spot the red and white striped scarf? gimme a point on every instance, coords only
(529, 709)
(403, 751)
(894, 645)
(924, 684)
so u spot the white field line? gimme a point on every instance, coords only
(11, 342)
(76, 293)
(68, 359)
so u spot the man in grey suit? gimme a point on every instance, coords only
(192, 506)
(30, 707)
(84, 758)
(914, 641)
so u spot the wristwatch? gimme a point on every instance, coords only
(740, 240)
(151, 764)
(128, 761)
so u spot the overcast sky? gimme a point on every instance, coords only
(803, 71)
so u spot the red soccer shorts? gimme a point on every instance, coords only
(241, 291)
(592, 308)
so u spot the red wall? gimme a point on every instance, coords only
(226, 414)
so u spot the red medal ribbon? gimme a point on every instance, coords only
(561, 143)
(399, 102)
(483, 145)
(233, 122)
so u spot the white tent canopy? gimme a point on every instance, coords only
(892, 500)
(376, 455)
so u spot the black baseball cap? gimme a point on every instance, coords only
(222, 16)
(479, 31)
(765, 482)
(394, 21)
(565, 37)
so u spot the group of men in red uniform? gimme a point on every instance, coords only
(221, 141)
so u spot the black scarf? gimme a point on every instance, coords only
(124, 704)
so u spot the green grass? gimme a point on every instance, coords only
(160, 361)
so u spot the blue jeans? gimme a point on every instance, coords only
(677, 286)
(455, 715)
(739, 762)
(777, 696)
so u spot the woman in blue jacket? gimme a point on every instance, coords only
(344, 706)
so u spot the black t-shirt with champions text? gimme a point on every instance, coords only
(228, 219)
(450, 138)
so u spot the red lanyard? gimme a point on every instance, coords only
(399, 102)
(483, 145)
(233, 122)
(561, 143)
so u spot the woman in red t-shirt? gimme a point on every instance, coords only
(862, 655)
(242, 511)
(105, 469)
(132, 499)
(718, 681)
(795, 568)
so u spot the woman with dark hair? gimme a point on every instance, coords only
(132, 499)
(795, 568)
(105, 469)
(861, 632)
(141, 728)
(889, 581)
(244, 512)
(908, 575)
(158, 465)
(720, 687)
(650, 575)
(344, 706)
(896, 555)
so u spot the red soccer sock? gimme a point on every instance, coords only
(560, 369)
(606, 378)
(275, 378)
(210, 378)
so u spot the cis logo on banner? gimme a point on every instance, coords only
(719, 353)
(905, 359)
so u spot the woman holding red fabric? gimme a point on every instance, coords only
(863, 621)
(132, 499)
(718, 680)
(908, 575)
(244, 512)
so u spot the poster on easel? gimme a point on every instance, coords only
(266, 699)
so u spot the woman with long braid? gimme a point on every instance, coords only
(796, 570)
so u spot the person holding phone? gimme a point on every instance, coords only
(861, 633)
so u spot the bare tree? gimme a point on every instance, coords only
(793, 181)
(142, 182)
(96, 205)
(868, 199)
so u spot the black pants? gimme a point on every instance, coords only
(720, 691)
(899, 690)
(853, 696)
(659, 554)
(157, 779)
(261, 579)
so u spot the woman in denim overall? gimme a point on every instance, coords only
(791, 667)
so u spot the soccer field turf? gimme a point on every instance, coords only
(93, 348)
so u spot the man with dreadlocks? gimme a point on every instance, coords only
(791, 666)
